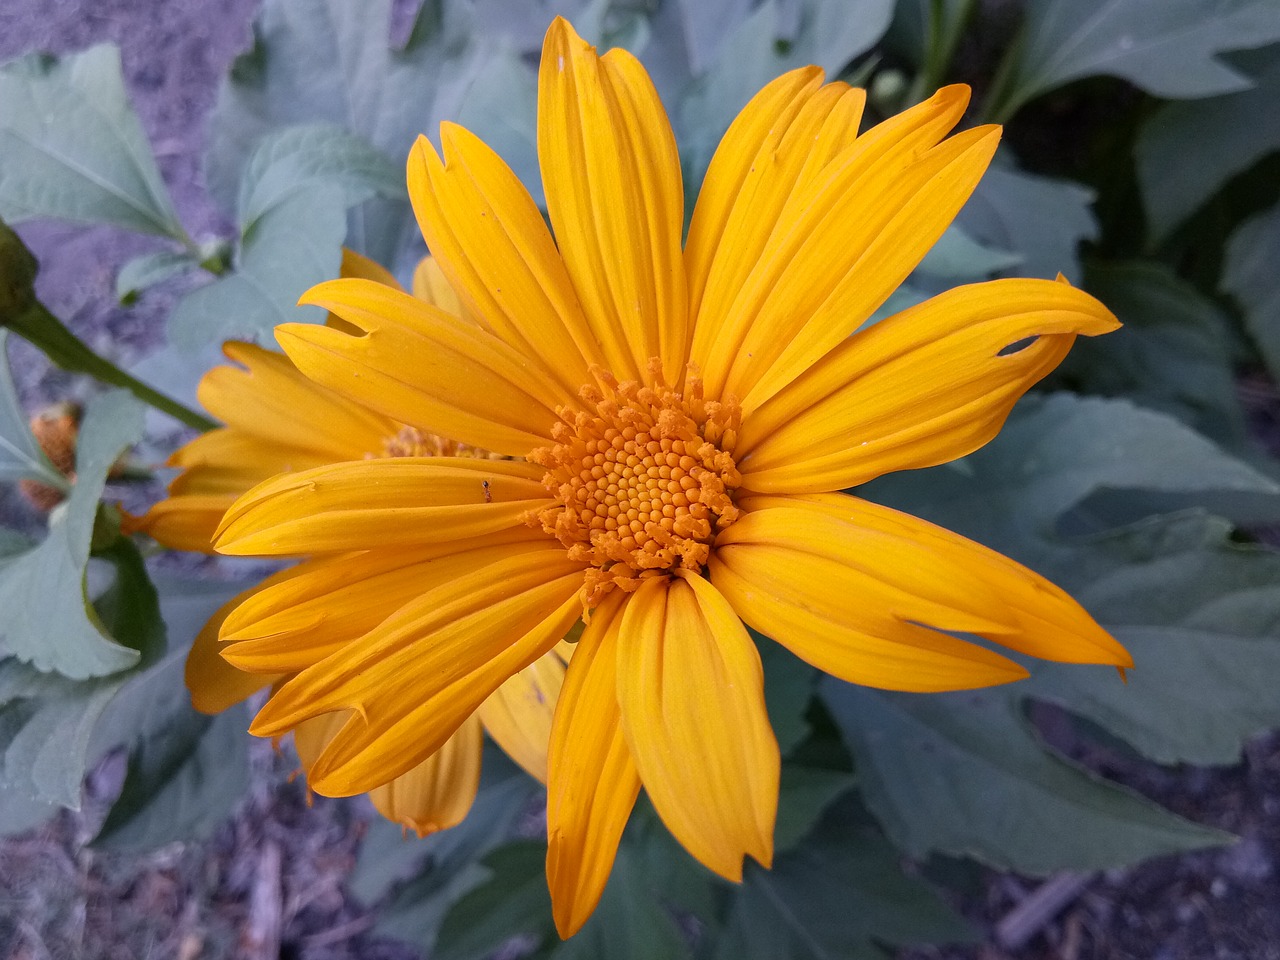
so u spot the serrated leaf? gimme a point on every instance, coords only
(48, 756)
(71, 146)
(514, 901)
(836, 897)
(45, 616)
(1249, 274)
(331, 61)
(1171, 355)
(805, 792)
(1186, 152)
(293, 246)
(20, 455)
(186, 770)
(298, 159)
(1169, 48)
(962, 774)
(1040, 219)
(147, 270)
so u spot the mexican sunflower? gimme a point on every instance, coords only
(675, 425)
(277, 420)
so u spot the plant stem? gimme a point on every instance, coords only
(65, 349)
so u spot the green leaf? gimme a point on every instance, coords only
(962, 774)
(772, 40)
(1186, 152)
(293, 246)
(187, 771)
(20, 455)
(45, 616)
(1060, 454)
(804, 794)
(514, 901)
(1249, 275)
(1040, 219)
(415, 909)
(1188, 603)
(1167, 47)
(297, 160)
(788, 688)
(20, 808)
(1171, 355)
(838, 896)
(330, 61)
(957, 256)
(72, 146)
(147, 270)
(629, 923)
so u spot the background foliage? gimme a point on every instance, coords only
(1131, 480)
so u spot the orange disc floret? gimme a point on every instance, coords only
(644, 478)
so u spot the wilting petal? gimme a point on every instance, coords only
(404, 502)
(518, 715)
(593, 782)
(779, 142)
(611, 173)
(215, 684)
(493, 245)
(272, 401)
(434, 795)
(691, 690)
(424, 367)
(928, 385)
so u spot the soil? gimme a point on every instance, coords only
(270, 882)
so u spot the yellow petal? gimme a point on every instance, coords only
(493, 245)
(438, 792)
(1046, 621)
(593, 782)
(611, 173)
(231, 460)
(841, 243)
(518, 714)
(404, 502)
(185, 522)
(434, 795)
(326, 603)
(423, 367)
(787, 133)
(270, 400)
(422, 671)
(429, 284)
(215, 685)
(691, 690)
(920, 388)
(358, 265)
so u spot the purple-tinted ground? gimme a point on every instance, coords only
(270, 882)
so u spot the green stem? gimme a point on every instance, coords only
(64, 348)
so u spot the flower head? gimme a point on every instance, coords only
(677, 422)
(278, 421)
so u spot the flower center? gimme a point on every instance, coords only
(642, 478)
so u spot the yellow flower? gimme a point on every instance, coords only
(678, 423)
(278, 421)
